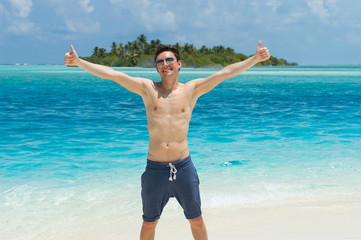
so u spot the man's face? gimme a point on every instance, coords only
(167, 67)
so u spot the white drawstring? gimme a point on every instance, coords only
(172, 170)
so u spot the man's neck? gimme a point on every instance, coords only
(170, 84)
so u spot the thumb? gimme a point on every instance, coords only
(259, 44)
(73, 50)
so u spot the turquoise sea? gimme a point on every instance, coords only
(73, 146)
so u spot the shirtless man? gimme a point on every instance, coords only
(169, 105)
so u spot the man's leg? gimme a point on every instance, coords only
(198, 227)
(148, 230)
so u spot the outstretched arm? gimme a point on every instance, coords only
(204, 85)
(133, 84)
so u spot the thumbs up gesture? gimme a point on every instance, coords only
(71, 58)
(262, 54)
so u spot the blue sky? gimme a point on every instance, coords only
(302, 31)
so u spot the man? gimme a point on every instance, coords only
(169, 105)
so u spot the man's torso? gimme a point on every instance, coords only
(168, 121)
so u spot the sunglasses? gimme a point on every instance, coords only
(169, 60)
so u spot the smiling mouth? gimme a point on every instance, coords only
(167, 70)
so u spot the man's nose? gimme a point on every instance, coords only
(165, 62)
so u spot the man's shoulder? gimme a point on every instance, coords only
(152, 86)
(149, 82)
(192, 83)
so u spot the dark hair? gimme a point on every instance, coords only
(165, 48)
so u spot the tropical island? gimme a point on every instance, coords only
(139, 53)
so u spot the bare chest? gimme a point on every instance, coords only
(176, 104)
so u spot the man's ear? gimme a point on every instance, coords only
(157, 69)
(180, 64)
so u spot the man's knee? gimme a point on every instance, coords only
(198, 221)
(149, 225)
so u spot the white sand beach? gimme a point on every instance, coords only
(338, 218)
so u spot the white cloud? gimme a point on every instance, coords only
(22, 27)
(318, 9)
(84, 4)
(21, 8)
(83, 26)
(18, 21)
(332, 4)
(77, 18)
(151, 15)
(274, 4)
(153, 22)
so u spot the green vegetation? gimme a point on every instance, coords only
(139, 53)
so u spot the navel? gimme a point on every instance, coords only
(155, 108)
(183, 110)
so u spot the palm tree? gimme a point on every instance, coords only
(121, 50)
(178, 46)
(204, 50)
(154, 44)
(218, 49)
(142, 39)
(229, 50)
(127, 47)
(95, 51)
(189, 48)
(137, 48)
(102, 52)
(114, 50)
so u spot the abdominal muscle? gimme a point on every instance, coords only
(167, 151)
(168, 137)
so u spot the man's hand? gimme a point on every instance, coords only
(262, 54)
(71, 59)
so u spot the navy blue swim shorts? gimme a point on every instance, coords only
(160, 181)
